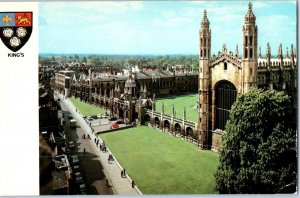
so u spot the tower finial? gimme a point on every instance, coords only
(259, 52)
(250, 7)
(268, 50)
(224, 48)
(287, 53)
(237, 50)
(205, 21)
(279, 54)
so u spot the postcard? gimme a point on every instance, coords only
(148, 97)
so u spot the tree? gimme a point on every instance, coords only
(84, 59)
(258, 153)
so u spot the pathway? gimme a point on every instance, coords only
(121, 186)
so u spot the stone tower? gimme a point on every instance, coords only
(204, 82)
(249, 58)
(129, 94)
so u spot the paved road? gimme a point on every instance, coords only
(95, 162)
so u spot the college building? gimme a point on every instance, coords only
(130, 93)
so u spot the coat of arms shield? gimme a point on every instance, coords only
(15, 29)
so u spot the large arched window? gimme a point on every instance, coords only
(225, 93)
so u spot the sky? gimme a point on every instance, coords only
(159, 27)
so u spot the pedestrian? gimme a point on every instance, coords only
(83, 151)
(90, 124)
(122, 173)
(132, 184)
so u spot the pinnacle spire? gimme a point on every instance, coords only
(250, 17)
(237, 50)
(279, 55)
(268, 50)
(205, 21)
(250, 7)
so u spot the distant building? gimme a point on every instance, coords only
(121, 93)
(63, 80)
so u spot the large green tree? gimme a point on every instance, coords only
(258, 153)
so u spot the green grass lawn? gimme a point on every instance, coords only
(86, 109)
(163, 164)
(187, 101)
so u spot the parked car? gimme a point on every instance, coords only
(74, 159)
(73, 123)
(81, 188)
(71, 145)
(78, 180)
(77, 174)
(76, 168)
(115, 125)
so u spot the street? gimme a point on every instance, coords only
(94, 163)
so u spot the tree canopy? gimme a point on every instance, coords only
(258, 153)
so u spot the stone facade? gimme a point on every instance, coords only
(129, 93)
(224, 76)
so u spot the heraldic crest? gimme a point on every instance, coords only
(15, 29)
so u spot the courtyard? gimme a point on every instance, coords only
(86, 109)
(187, 101)
(162, 164)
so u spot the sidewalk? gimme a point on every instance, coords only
(112, 170)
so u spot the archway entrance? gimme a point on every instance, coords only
(177, 128)
(167, 125)
(225, 96)
(189, 132)
(156, 121)
(147, 118)
(121, 113)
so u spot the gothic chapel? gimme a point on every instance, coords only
(223, 77)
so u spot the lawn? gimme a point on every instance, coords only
(163, 164)
(86, 109)
(187, 101)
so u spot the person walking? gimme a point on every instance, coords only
(132, 184)
(124, 173)
(83, 151)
